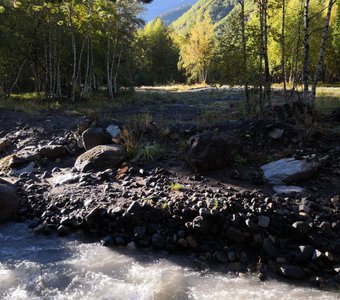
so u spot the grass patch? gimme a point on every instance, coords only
(176, 187)
(148, 152)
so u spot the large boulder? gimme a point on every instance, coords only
(100, 158)
(4, 143)
(93, 137)
(288, 170)
(211, 151)
(9, 201)
(53, 151)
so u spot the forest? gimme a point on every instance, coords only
(76, 49)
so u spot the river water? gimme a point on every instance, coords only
(40, 267)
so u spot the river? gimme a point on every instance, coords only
(48, 267)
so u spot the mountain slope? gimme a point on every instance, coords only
(217, 9)
(158, 7)
(171, 16)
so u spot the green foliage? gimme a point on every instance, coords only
(159, 55)
(239, 160)
(176, 187)
(148, 152)
(198, 50)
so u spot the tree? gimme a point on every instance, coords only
(198, 50)
(159, 55)
(321, 55)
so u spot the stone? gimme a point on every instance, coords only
(134, 207)
(211, 151)
(4, 143)
(292, 272)
(288, 189)
(264, 221)
(192, 243)
(9, 201)
(288, 170)
(301, 226)
(158, 241)
(93, 137)
(269, 248)
(66, 178)
(113, 131)
(234, 234)
(183, 243)
(276, 134)
(53, 151)
(100, 158)
(201, 225)
(139, 232)
(306, 253)
(27, 169)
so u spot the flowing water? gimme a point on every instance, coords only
(40, 267)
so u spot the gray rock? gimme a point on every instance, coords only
(301, 227)
(9, 201)
(93, 137)
(201, 225)
(66, 178)
(234, 234)
(264, 221)
(288, 170)
(100, 158)
(27, 169)
(287, 189)
(113, 131)
(277, 133)
(53, 151)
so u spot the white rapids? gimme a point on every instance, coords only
(39, 267)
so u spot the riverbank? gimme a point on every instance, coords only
(150, 197)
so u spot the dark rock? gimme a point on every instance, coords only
(201, 225)
(93, 137)
(269, 248)
(53, 151)
(292, 272)
(234, 234)
(4, 143)
(100, 158)
(158, 241)
(306, 253)
(63, 230)
(301, 226)
(134, 207)
(107, 241)
(211, 151)
(139, 232)
(9, 201)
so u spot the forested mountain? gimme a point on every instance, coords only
(217, 9)
(171, 16)
(160, 7)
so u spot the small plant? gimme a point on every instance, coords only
(239, 160)
(176, 187)
(148, 152)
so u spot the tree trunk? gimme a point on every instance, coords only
(306, 52)
(267, 91)
(283, 52)
(74, 50)
(244, 50)
(321, 56)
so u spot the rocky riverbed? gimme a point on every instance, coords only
(66, 173)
